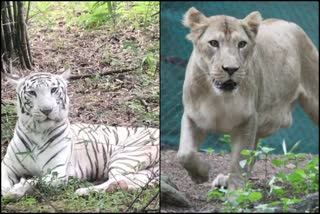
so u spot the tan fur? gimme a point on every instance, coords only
(278, 66)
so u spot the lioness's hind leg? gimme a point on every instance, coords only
(309, 96)
(311, 106)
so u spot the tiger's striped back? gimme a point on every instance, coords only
(132, 148)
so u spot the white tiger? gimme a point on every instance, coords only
(45, 141)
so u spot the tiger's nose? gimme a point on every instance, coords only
(230, 70)
(46, 111)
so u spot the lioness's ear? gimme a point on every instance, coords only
(252, 22)
(194, 19)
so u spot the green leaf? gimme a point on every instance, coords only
(254, 196)
(215, 194)
(240, 199)
(300, 156)
(284, 147)
(272, 180)
(289, 156)
(294, 146)
(313, 164)
(210, 150)
(300, 172)
(281, 176)
(257, 153)
(225, 139)
(246, 152)
(275, 203)
(266, 150)
(294, 177)
(277, 162)
(243, 163)
(277, 190)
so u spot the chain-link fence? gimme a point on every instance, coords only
(176, 49)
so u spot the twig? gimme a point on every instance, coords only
(103, 44)
(144, 103)
(150, 201)
(155, 14)
(141, 191)
(28, 10)
(75, 77)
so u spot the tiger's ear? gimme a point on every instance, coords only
(14, 80)
(252, 22)
(66, 75)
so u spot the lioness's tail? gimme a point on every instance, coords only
(309, 96)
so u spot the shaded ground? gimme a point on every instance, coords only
(197, 194)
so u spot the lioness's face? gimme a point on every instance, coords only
(222, 45)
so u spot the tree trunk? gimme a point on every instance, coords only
(14, 36)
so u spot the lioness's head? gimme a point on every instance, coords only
(223, 45)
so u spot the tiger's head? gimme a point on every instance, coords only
(42, 99)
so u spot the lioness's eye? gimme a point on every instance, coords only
(53, 90)
(242, 44)
(32, 93)
(214, 43)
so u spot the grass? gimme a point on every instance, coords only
(63, 199)
(94, 14)
(281, 190)
(8, 121)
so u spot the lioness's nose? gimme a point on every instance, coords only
(230, 70)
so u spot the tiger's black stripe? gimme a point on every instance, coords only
(53, 156)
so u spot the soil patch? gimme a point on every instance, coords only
(197, 193)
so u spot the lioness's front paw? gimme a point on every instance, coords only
(198, 170)
(201, 175)
(220, 181)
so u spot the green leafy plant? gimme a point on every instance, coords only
(285, 188)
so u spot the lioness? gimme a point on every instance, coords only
(242, 79)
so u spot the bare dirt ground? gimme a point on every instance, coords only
(197, 194)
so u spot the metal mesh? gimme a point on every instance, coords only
(175, 52)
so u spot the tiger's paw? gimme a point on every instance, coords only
(122, 185)
(17, 191)
(85, 191)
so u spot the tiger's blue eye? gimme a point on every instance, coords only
(32, 93)
(53, 90)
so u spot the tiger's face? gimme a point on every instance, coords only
(42, 97)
